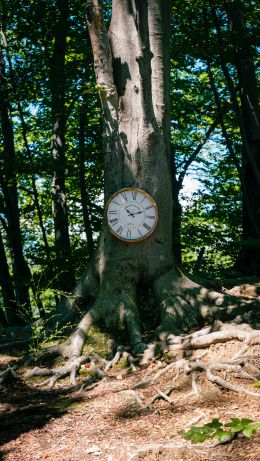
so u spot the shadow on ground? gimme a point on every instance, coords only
(24, 408)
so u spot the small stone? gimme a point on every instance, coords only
(94, 451)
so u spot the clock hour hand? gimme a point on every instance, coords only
(129, 212)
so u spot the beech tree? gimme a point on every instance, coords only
(132, 69)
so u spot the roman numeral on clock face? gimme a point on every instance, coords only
(124, 196)
(134, 194)
(129, 233)
(112, 212)
(148, 207)
(146, 226)
(113, 221)
(120, 230)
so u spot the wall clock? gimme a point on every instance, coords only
(132, 214)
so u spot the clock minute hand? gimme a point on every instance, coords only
(138, 212)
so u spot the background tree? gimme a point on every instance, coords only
(8, 181)
(66, 279)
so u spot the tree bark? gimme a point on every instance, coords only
(65, 277)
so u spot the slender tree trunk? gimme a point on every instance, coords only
(248, 117)
(59, 206)
(7, 288)
(29, 155)
(249, 258)
(21, 271)
(33, 179)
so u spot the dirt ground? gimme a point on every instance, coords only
(98, 423)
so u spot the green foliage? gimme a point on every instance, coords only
(222, 432)
(212, 215)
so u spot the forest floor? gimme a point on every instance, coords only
(97, 423)
(101, 422)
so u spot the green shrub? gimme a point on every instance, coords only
(222, 432)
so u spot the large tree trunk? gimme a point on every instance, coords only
(249, 258)
(136, 151)
(65, 276)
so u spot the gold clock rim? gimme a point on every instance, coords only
(150, 198)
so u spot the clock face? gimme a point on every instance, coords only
(132, 214)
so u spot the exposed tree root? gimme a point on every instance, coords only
(70, 368)
(97, 366)
(201, 415)
(8, 375)
(210, 370)
(197, 340)
(205, 338)
(184, 304)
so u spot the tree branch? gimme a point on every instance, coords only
(101, 52)
(192, 157)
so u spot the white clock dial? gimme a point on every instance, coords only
(132, 214)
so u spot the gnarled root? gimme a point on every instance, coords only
(184, 304)
(207, 336)
(240, 365)
(97, 367)
(8, 375)
(114, 306)
(178, 304)
(210, 371)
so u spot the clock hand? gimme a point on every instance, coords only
(138, 212)
(129, 212)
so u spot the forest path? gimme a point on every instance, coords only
(100, 423)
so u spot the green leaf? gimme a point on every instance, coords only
(223, 436)
(237, 425)
(214, 424)
(213, 429)
(250, 430)
(194, 436)
(246, 421)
